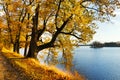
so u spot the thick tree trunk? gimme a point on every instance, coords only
(33, 45)
(34, 35)
(32, 49)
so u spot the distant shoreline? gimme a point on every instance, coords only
(101, 45)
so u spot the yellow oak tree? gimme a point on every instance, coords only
(55, 25)
(68, 23)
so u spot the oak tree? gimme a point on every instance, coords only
(54, 25)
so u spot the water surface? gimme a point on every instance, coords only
(98, 64)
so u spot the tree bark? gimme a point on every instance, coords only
(26, 46)
(33, 45)
(17, 41)
(34, 35)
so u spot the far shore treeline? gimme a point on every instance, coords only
(97, 44)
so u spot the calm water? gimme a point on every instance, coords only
(98, 64)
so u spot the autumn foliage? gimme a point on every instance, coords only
(32, 70)
(54, 25)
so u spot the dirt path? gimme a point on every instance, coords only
(7, 72)
(2, 69)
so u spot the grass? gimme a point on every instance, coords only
(33, 70)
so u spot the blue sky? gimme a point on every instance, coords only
(108, 31)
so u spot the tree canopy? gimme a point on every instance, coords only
(54, 25)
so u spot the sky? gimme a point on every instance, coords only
(109, 31)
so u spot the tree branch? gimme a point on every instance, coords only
(8, 21)
(70, 34)
(60, 29)
(40, 32)
(51, 43)
(56, 15)
(86, 6)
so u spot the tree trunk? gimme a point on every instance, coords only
(26, 46)
(32, 50)
(17, 41)
(26, 43)
(16, 46)
(33, 45)
(34, 35)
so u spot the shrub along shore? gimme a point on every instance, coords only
(33, 70)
